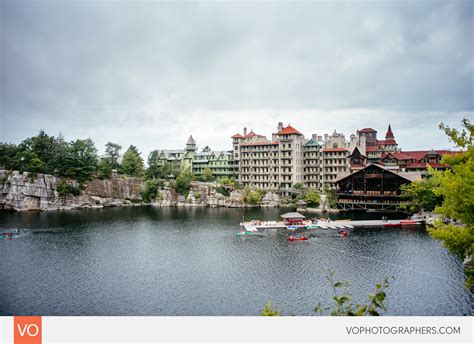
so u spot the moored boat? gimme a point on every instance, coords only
(292, 238)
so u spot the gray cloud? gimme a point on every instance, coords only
(153, 73)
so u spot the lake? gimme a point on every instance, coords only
(188, 261)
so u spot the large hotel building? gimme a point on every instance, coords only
(289, 158)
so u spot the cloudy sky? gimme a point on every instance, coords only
(151, 73)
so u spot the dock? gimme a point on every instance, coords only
(263, 225)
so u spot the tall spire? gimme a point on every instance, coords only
(191, 144)
(389, 134)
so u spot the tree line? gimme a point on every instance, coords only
(77, 159)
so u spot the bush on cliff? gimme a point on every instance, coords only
(64, 189)
(151, 191)
(183, 182)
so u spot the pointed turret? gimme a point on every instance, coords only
(191, 144)
(389, 134)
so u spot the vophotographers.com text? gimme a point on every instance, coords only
(403, 330)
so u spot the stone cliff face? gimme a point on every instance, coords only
(22, 192)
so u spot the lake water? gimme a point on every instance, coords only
(180, 261)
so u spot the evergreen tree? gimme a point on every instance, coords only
(132, 162)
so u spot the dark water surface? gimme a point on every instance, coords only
(170, 261)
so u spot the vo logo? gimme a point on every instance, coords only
(27, 330)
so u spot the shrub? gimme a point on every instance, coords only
(64, 189)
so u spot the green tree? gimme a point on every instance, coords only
(132, 162)
(104, 168)
(331, 196)
(312, 198)
(229, 182)
(80, 161)
(420, 194)
(153, 170)
(207, 175)
(183, 182)
(151, 192)
(112, 154)
(456, 187)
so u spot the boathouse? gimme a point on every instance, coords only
(372, 187)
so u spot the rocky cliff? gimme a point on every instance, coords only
(40, 192)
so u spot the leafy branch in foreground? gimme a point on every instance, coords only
(343, 300)
(344, 306)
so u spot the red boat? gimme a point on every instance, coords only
(409, 222)
(292, 238)
(391, 225)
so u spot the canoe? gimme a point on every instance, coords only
(297, 239)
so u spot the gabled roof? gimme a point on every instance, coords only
(312, 142)
(353, 151)
(289, 130)
(237, 136)
(410, 176)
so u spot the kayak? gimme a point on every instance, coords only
(248, 233)
(409, 222)
(313, 226)
(391, 225)
(297, 239)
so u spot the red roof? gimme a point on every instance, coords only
(401, 156)
(237, 136)
(389, 134)
(418, 155)
(371, 149)
(367, 130)
(387, 142)
(334, 150)
(259, 143)
(289, 130)
(252, 134)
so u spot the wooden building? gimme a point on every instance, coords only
(372, 187)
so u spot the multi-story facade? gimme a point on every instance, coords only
(334, 158)
(275, 164)
(288, 159)
(219, 162)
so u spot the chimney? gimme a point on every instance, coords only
(320, 137)
(326, 137)
(280, 126)
(314, 137)
(245, 131)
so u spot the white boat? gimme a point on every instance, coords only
(322, 225)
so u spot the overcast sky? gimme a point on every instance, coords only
(151, 74)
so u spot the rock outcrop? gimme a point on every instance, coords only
(40, 192)
(25, 192)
